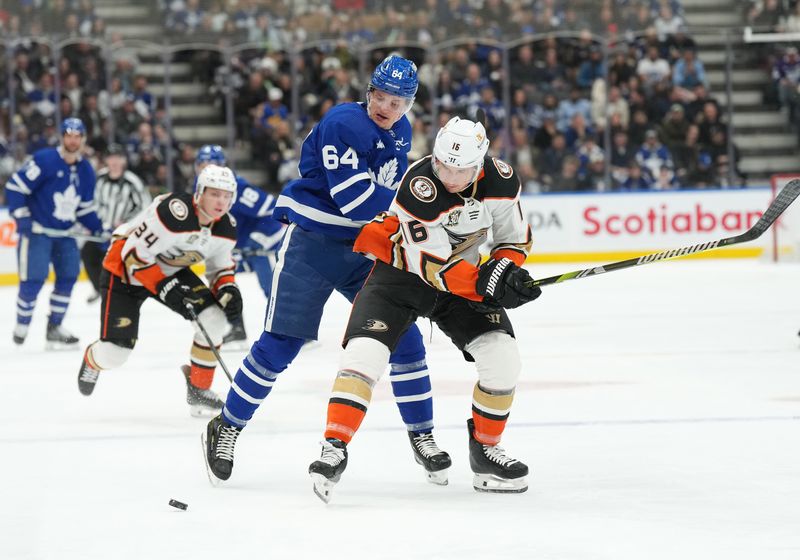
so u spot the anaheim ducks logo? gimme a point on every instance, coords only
(178, 209)
(375, 325)
(123, 322)
(503, 168)
(423, 189)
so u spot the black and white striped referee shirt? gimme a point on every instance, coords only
(119, 200)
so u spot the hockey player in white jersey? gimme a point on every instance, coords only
(52, 192)
(427, 264)
(351, 164)
(150, 257)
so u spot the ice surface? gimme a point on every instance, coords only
(659, 410)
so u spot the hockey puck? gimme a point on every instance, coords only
(179, 505)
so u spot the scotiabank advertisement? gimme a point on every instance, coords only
(596, 227)
(587, 227)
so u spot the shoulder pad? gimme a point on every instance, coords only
(422, 195)
(225, 227)
(350, 125)
(177, 213)
(499, 180)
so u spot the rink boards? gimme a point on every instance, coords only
(595, 227)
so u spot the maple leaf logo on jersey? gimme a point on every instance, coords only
(66, 204)
(386, 175)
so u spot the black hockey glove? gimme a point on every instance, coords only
(503, 283)
(230, 298)
(176, 295)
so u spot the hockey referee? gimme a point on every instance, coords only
(119, 195)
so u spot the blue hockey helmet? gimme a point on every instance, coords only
(73, 126)
(397, 76)
(210, 153)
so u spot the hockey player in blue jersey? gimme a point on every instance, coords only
(351, 163)
(257, 233)
(46, 197)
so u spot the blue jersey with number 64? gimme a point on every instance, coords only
(349, 171)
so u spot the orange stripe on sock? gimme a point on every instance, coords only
(343, 421)
(487, 431)
(201, 377)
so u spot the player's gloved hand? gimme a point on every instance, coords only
(176, 295)
(230, 298)
(504, 283)
(24, 225)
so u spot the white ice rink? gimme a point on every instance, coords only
(659, 411)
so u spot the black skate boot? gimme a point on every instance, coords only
(237, 336)
(433, 460)
(327, 471)
(20, 332)
(202, 402)
(218, 441)
(59, 338)
(494, 470)
(87, 376)
(93, 297)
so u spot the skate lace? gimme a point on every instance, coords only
(226, 442)
(426, 446)
(331, 454)
(498, 455)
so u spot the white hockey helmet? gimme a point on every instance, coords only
(461, 143)
(215, 177)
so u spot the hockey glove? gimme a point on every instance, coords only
(230, 298)
(177, 295)
(503, 283)
(24, 225)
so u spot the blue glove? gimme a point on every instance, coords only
(24, 225)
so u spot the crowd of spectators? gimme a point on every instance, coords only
(654, 120)
(559, 115)
(779, 59)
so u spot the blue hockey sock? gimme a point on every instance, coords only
(268, 356)
(25, 311)
(411, 386)
(58, 307)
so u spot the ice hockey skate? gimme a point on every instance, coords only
(328, 469)
(87, 376)
(20, 333)
(236, 339)
(59, 338)
(218, 442)
(202, 402)
(433, 460)
(494, 470)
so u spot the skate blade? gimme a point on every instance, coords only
(434, 477)
(496, 484)
(200, 411)
(322, 486)
(215, 482)
(439, 478)
(53, 346)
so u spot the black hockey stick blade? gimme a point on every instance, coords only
(788, 194)
(480, 116)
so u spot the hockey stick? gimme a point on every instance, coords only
(41, 230)
(211, 345)
(787, 195)
(246, 252)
